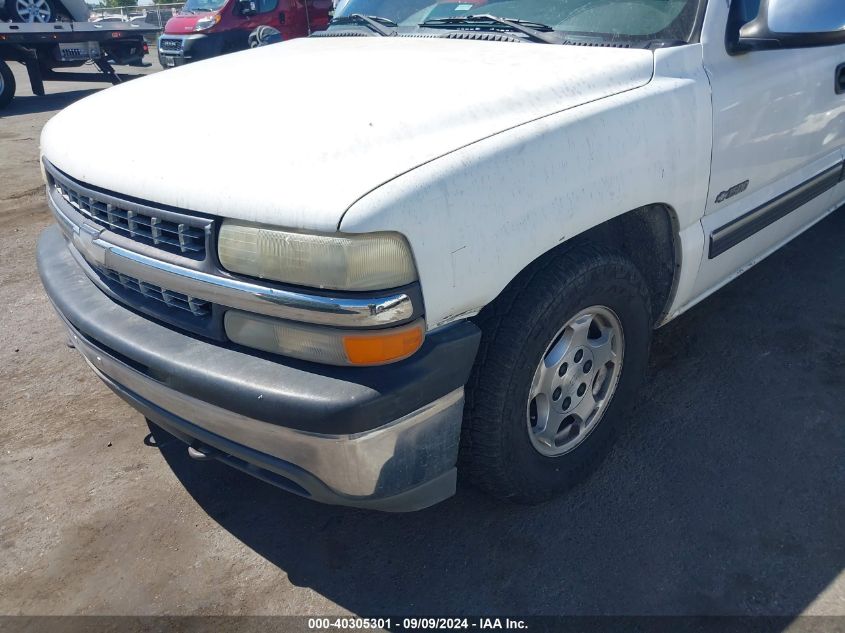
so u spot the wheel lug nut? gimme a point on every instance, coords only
(581, 389)
(556, 394)
(588, 366)
(566, 402)
(562, 369)
(579, 355)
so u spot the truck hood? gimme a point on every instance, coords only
(294, 133)
(183, 23)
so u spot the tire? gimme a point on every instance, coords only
(7, 85)
(28, 11)
(503, 450)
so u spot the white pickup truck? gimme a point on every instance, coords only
(436, 238)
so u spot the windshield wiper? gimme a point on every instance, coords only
(535, 30)
(374, 22)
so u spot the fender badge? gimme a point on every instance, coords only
(733, 191)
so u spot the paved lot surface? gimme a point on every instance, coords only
(724, 495)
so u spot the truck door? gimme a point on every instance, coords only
(319, 13)
(269, 13)
(305, 16)
(778, 129)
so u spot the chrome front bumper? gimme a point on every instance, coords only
(364, 469)
(384, 438)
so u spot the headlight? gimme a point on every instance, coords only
(207, 22)
(370, 261)
(322, 344)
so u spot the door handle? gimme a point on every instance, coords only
(281, 17)
(840, 79)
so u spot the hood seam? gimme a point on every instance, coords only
(484, 138)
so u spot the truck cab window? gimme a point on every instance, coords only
(611, 19)
(265, 6)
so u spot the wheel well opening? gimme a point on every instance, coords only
(647, 236)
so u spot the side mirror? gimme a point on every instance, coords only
(248, 7)
(784, 24)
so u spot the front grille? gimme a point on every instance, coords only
(146, 227)
(174, 45)
(197, 307)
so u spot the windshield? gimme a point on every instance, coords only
(609, 19)
(203, 5)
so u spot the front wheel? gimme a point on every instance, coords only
(561, 358)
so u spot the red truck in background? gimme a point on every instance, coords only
(206, 28)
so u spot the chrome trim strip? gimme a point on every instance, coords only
(391, 458)
(233, 293)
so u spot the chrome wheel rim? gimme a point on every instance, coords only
(575, 381)
(33, 10)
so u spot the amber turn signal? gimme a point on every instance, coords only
(386, 346)
(324, 344)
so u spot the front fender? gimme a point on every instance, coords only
(478, 216)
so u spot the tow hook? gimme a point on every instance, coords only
(201, 453)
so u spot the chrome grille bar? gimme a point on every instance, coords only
(207, 286)
(173, 299)
(170, 235)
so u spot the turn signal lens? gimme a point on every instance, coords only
(384, 347)
(322, 344)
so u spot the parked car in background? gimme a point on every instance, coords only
(153, 17)
(41, 11)
(206, 28)
(450, 242)
(110, 19)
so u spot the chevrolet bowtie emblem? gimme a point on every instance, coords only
(86, 243)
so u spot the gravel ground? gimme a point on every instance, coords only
(724, 495)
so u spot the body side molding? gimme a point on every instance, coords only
(729, 235)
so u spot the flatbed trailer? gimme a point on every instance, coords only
(44, 48)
